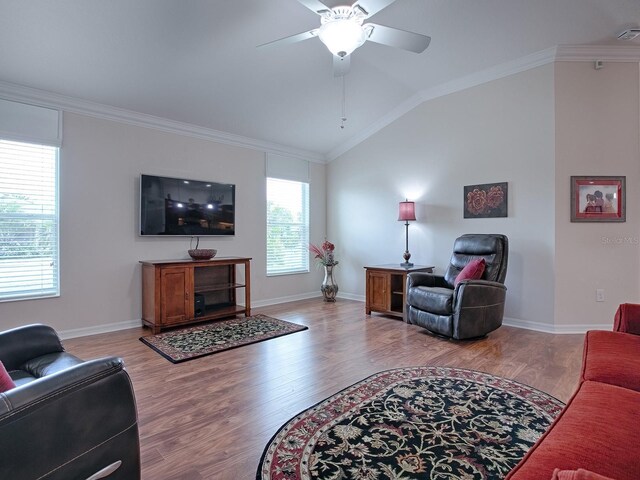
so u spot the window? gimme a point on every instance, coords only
(287, 226)
(28, 221)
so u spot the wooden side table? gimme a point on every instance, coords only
(386, 287)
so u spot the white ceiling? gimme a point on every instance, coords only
(196, 61)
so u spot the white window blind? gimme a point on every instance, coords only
(30, 123)
(28, 221)
(287, 226)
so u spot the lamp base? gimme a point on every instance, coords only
(406, 257)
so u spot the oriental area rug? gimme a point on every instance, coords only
(412, 423)
(189, 343)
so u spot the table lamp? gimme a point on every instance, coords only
(407, 213)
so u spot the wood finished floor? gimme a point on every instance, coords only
(210, 418)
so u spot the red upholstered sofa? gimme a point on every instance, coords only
(597, 435)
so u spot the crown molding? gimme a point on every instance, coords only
(65, 103)
(520, 65)
(523, 64)
(590, 53)
(567, 53)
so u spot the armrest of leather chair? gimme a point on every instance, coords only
(478, 293)
(627, 318)
(423, 279)
(24, 343)
(478, 308)
(71, 424)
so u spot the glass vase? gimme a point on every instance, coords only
(329, 287)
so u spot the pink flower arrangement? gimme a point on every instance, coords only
(324, 253)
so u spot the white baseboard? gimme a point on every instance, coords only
(351, 296)
(114, 327)
(290, 298)
(555, 329)
(510, 322)
(518, 323)
(106, 328)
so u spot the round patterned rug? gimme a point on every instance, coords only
(412, 423)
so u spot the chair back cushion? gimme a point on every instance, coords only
(493, 248)
(20, 344)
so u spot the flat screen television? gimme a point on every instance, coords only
(177, 206)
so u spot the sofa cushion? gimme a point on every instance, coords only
(6, 382)
(436, 300)
(612, 357)
(597, 431)
(579, 474)
(472, 271)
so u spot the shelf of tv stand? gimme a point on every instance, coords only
(217, 287)
(217, 311)
(181, 292)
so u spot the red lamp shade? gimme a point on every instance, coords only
(407, 211)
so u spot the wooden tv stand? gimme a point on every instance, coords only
(180, 292)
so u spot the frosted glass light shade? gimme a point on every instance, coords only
(342, 36)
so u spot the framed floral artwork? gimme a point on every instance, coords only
(598, 199)
(488, 200)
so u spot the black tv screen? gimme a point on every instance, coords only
(176, 206)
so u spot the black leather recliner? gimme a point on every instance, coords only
(471, 309)
(66, 419)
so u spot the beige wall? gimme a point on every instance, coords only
(534, 130)
(500, 131)
(597, 132)
(100, 165)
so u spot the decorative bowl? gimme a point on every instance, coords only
(202, 253)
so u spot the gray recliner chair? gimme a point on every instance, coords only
(470, 309)
(66, 418)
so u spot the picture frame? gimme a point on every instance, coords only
(598, 199)
(486, 200)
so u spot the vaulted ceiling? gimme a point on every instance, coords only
(196, 61)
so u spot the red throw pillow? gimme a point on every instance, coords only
(472, 271)
(579, 474)
(6, 382)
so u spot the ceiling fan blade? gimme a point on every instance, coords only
(341, 65)
(299, 37)
(371, 7)
(315, 6)
(394, 37)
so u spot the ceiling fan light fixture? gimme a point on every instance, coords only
(342, 36)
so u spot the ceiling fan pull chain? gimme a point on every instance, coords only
(344, 103)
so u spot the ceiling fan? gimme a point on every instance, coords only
(342, 30)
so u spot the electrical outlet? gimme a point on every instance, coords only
(599, 294)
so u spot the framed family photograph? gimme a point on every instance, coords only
(598, 199)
